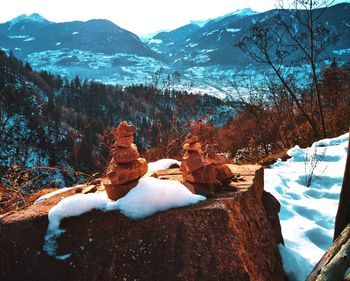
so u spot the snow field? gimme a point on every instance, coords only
(308, 213)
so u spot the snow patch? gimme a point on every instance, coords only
(29, 39)
(150, 196)
(155, 41)
(51, 194)
(233, 30)
(162, 164)
(308, 213)
(341, 52)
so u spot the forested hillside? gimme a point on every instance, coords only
(46, 120)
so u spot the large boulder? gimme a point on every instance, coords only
(231, 236)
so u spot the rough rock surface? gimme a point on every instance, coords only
(231, 236)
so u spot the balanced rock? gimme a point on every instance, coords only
(192, 147)
(124, 141)
(123, 173)
(124, 130)
(192, 161)
(191, 139)
(115, 192)
(206, 172)
(126, 167)
(125, 154)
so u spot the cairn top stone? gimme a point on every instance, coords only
(124, 130)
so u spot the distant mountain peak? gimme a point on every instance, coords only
(25, 19)
(35, 17)
(239, 12)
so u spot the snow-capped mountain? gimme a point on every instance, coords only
(203, 54)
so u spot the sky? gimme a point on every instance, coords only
(138, 16)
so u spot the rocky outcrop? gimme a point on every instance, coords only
(231, 236)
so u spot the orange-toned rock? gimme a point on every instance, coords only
(206, 175)
(225, 174)
(192, 146)
(125, 154)
(124, 130)
(191, 139)
(124, 141)
(115, 192)
(124, 173)
(192, 161)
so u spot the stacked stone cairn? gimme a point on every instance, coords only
(125, 167)
(202, 175)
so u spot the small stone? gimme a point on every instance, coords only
(192, 161)
(114, 192)
(192, 147)
(89, 189)
(124, 130)
(191, 139)
(225, 174)
(123, 173)
(124, 141)
(125, 154)
(205, 175)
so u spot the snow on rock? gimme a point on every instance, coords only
(308, 213)
(49, 195)
(150, 196)
(162, 164)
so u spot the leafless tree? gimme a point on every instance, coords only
(294, 37)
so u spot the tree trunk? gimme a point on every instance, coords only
(343, 214)
(335, 262)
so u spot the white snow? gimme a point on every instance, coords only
(155, 41)
(150, 196)
(308, 213)
(341, 52)
(51, 194)
(153, 195)
(233, 30)
(29, 39)
(162, 164)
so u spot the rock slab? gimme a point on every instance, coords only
(232, 236)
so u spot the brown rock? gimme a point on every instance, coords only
(192, 147)
(115, 192)
(228, 237)
(192, 161)
(124, 130)
(191, 139)
(205, 175)
(224, 174)
(124, 141)
(198, 188)
(125, 154)
(123, 173)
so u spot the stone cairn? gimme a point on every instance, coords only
(125, 167)
(205, 174)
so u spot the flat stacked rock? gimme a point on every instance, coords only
(204, 173)
(125, 168)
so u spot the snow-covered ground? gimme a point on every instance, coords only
(308, 213)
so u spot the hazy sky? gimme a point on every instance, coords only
(138, 16)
